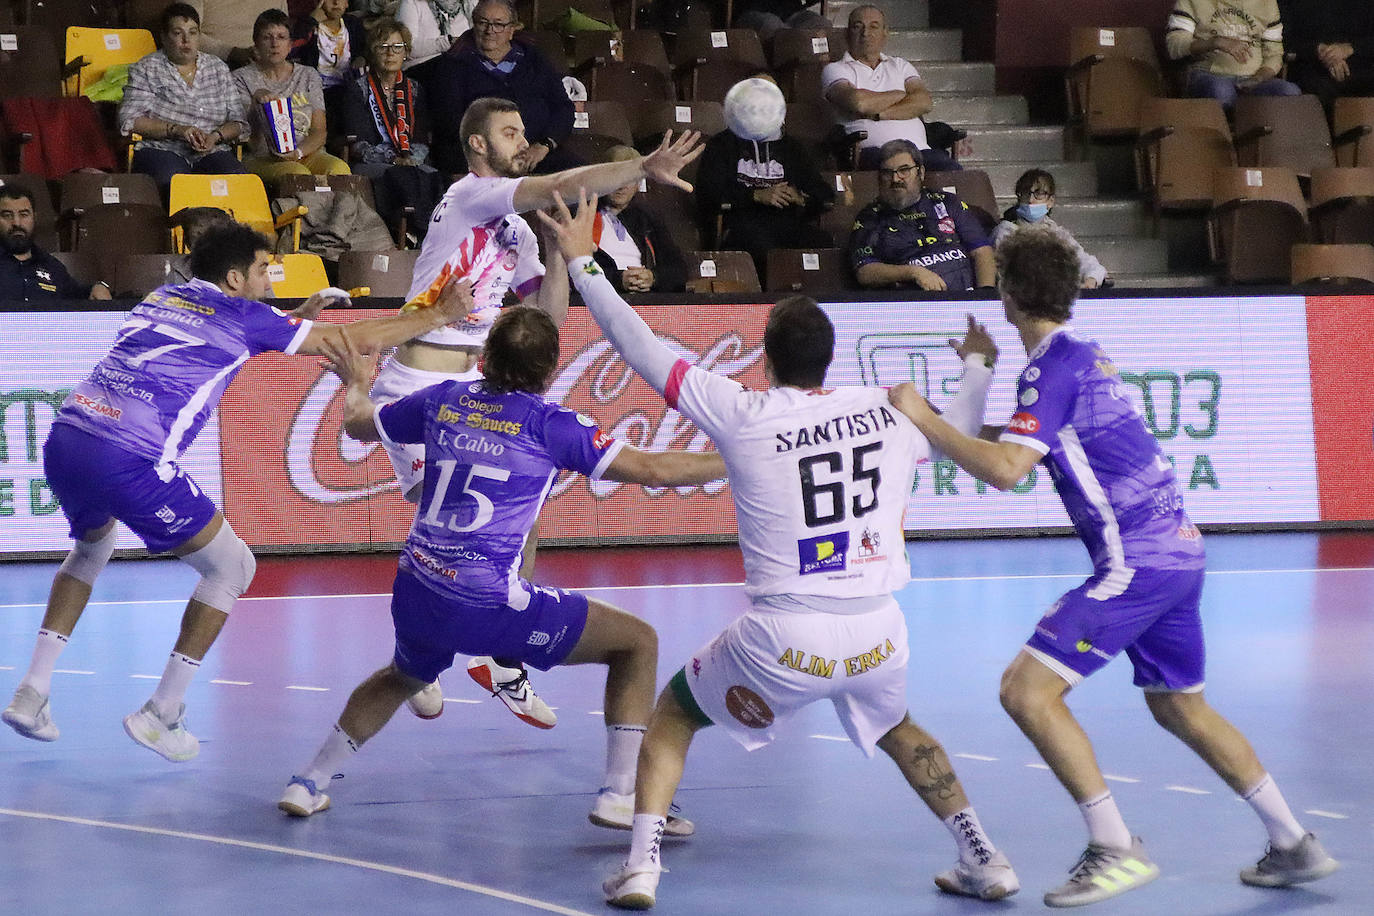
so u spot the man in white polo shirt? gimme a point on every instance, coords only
(882, 95)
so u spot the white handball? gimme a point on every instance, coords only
(754, 109)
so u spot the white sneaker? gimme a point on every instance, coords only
(512, 687)
(30, 715)
(1103, 872)
(170, 739)
(1306, 861)
(618, 813)
(991, 881)
(632, 889)
(427, 702)
(302, 799)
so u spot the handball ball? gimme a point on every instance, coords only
(754, 109)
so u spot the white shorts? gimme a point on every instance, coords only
(768, 664)
(394, 382)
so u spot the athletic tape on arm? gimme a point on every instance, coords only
(965, 412)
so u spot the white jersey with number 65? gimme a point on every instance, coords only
(821, 480)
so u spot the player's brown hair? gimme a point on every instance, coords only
(521, 353)
(799, 341)
(1039, 273)
(477, 119)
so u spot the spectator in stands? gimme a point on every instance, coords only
(1333, 46)
(182, 103)
(1233, 47)
(386, 115)
(767, 16)
(270, 77)
(27, 272)
(768, 194)
(227, 26)
(633, 248)
(1034, 202)
(880, 95)
(194, 223)
(333, 42)
(435, 26)
(487, 62)
(917, 237)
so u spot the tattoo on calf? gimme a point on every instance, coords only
(938, 782)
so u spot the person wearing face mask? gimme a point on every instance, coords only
(1034, 201)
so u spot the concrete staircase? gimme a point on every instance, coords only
(1114, 228)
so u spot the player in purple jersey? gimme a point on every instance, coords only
(493, 449)
(1143, 597)
(113, 450)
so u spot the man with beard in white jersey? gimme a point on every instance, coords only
(476, 233)
(821, 478)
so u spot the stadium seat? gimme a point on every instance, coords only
(296, 276)
(649, 122)
(83, 191)
(550, 44)
(84, 266)
(707, 63)
(722, 272)
(242, 197)
(51, 137)
(853, 187)
(799, 55)
(811, 270)
(137, 275)
(1181, 142)
(974, 188)
(548, 14)
(638, 46)
(113, 231)
(1257, 216)
(628, 83)
(1111, 71)
(385, 273)
(1335, 264)
(44, 214)
(1287, 131)
(30, 66)
(92, 51)
(676, 210)
(1342, 208)
(1352, 123)
(597, 128)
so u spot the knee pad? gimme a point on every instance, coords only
(226, 568)
(88, 558)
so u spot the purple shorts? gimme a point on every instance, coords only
(95, 481)
(432, 628)
(1156, 620)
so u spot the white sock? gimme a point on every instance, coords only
(974, 846)
(338, 749)
(645, 839)
(1105, 824)
(45, 651)
(622, 757)
(171, 690)
(1284, 830)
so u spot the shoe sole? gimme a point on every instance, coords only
(420, 715)
(633, 902)
(482, 676)
(152, 746)
(28, 731)
(297, 811)
(1140, 881)
(600, 821)
(997, 892)
(1302, 877)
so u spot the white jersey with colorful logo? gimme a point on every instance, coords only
(474, 234)
(821, 480)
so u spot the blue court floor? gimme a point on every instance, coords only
(476, 813)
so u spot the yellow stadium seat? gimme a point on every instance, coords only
(90, 52)
(296, 276)
(242, 196)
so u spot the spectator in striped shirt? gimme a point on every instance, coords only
(1232, 47)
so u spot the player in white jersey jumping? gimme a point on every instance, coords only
(476, 233)
(113, 450)
(821, 479)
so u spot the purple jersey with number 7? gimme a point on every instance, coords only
(1117, 486)
(171, 361)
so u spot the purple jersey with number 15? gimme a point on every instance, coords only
(176, 353)
(490, 460)
(1117, 486)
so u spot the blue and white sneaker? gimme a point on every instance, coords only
(302, 798)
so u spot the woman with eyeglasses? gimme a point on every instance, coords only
(1034, 201)
(434, 26)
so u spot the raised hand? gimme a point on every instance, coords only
(345, 360)
(663, 164)
(573, 233)
(976, 340)
(455, 300)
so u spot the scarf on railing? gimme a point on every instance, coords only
(397, 125)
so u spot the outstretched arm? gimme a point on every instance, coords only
(665, 469)
(537, 192)
(1002, 464)
(354, 369)
(626, 331)
(375, 334)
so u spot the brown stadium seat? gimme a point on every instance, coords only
(137, 275)
(806, 269)
(722, 272)
(83, 192)
(1257, 216)
(1287, 131)
(638, 46)
(676, 210)
(1181, 142)
(799, 55)
(706, 63)
(1111, 71)
(33, 66)
(649, 122)
(550, 44)
(1334, 264)
(545, 14)
(1353, 123)
(385, 273)
(84, 266)
(600, 126)
(974, 188)
(628, 83)
(113, 231)
(1342, 208)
